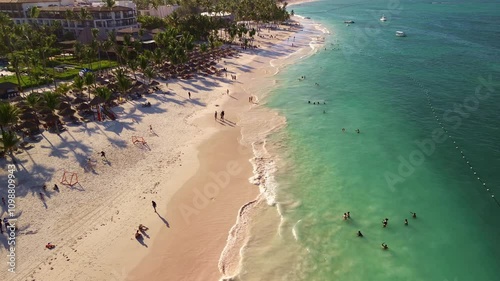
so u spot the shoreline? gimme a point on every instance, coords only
(201, 260)
(93, 231)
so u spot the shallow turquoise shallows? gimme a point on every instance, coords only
(427, 109)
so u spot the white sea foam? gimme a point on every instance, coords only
(256, 126)
(295, 230)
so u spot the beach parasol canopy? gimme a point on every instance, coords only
(67, 111)
(45, 111)
(65, 98)
(79, 100)
(28, 125)
(96, 100)
(83, 106)
(50, 118)
(27, 115)
(64, 105)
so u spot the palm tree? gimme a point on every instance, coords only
(109, 3)
(83, 16)
(78, 83)
(104, 93)
(122, 81)
(33, 12)
(150, 73)
(9, 142)
(89, 80)
(95, 45)
(9, 115)
(32, 101)
(51, 100)
(63, 88)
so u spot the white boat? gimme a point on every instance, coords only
(400, 34)
(383, 18)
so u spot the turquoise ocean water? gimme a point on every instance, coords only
(396, 91)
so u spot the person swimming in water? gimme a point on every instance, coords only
(343, 130)
(406, 222)
(384, 246)
(357, 131)
(360, 234)
(414, 215)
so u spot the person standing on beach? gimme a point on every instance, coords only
(222, 115)
(189, 95)
(3, 201)
(103, 154)
(227, 91)
(215, 115)
(1, 229)
(154, 205)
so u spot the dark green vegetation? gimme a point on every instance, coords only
(35, 54)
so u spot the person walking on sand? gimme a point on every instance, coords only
(189, 95)
(154, 205)
(103, 154)
(222, 115)
(1, 229)
(227, 92)
(215, 115)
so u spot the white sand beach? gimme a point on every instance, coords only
(194, 167)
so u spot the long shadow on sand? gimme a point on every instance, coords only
(164, 220)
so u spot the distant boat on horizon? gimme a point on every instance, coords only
(383, 18)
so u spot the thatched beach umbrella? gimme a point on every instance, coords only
(28, 115)
(83, 107)
(96, 100)
(79, 100)
(67, 111)
(65, 98)
(28, 125)
(63, 105)
(45, 111)
(50, 118)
